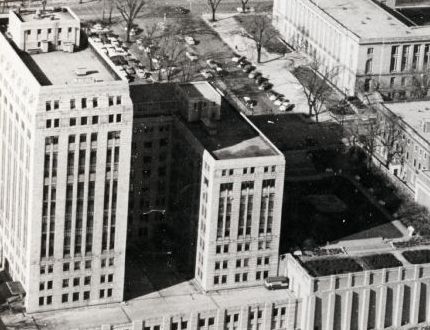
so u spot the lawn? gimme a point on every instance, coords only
(379, 261)
(417, 256)
(331, 266)
(306, 226)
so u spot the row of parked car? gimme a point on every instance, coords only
(113, 46)
(263, 84)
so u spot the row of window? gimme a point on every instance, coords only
(94, 120)
(224, 248)
(67, 266)
(240, 277)
(49, 30)
(242, 263)
(248, 170)
(83, 102)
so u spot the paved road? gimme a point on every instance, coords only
(93, 9)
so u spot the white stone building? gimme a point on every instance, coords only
(64, 174)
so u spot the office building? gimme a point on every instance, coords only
(384, 287)
(372, 46)
(66, 120)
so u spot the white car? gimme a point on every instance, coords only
(206, 74)
(192, 56)
(211, 63)
(190, 40)
(254, 74)
(237, 59)
(140, 73)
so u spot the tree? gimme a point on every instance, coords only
(420, 85)
(316, 79)
(261, 31)
(129, 9)
(244, 3)
(108, 5)
(213, 5)
(391, 142)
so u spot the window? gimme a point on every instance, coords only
(111, 261)
(224, 279)
(369, 50)
(369, 66)
(118, 118)
(118, 100)
(252, 170)
(75, 296)
(69, 29)
(66, 267)
(42, 269)
(111, 118)
(103, 263)
(95, 120)
(84, 120)
(72, 104)
(102, 278)
(39, 31)
(218, 249)
(49, 30)
(41, 301)
(109, 292)
(49, 300)
(49, 285)
(102, 293)
(66, 283)
(245, 171)
(41, 286)
(216, 280)
(56, 122)
(48, 123)
(266, 169)
(76, 281)
(230, 172)
(83, 103)
(225, 248)
(56, 104)
(110, 278)
(110, 101)
(86, 295)
(87, 280)
(72, 121)
(64, 298)
(87, 264)
(95, 102)
(77, 264)
(392, 81)
(48, 105)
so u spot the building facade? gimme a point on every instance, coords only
(371, 47)
(65, 146)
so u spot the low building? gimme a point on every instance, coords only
(372, 46)
(362, 290)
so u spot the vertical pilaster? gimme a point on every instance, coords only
(243, 318)
(219, 320)
(267, 316)
(308, 313)
(346, 321)
(415, 302)
(331, 300)
(363, 313)
(398, 307)
(166, 322)
(380, 307)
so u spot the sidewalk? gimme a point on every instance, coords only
(275, 67)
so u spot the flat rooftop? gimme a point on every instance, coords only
(58, 68)
(368, 20)
(181, 298)
(412, 113)
(235, 137)
(48, 15)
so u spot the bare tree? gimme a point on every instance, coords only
(170, 53)
(213, 5)
(244, 3)
(391, 142)
(420, 85)
(149, 36)
(129, 10)
(108, 6)
(261, 31)
(316, 80)
(368, 140)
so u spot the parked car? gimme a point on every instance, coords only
(212, 64)
(238, 58)
(260, 79)
(265, 86)
(278, 282)
(140, 73)
(282, 101)
(273, 96)
(248, 68)
(207, 74)
(254, 74)
(243, 63)
(249, 102)
(190, 40)
(192, 56)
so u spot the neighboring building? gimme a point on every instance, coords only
(372, 46)
(412, 134)
(225, 199)
(362, 290)
(34, 31)
(64, 171)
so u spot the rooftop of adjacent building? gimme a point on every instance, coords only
(59, 68)
(36, 16)
(183, 298)
(414, 114)
(370, 20)
(361, 255)
(230, 137)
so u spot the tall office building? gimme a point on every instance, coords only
(66, 125)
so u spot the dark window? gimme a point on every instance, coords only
(75, 296)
